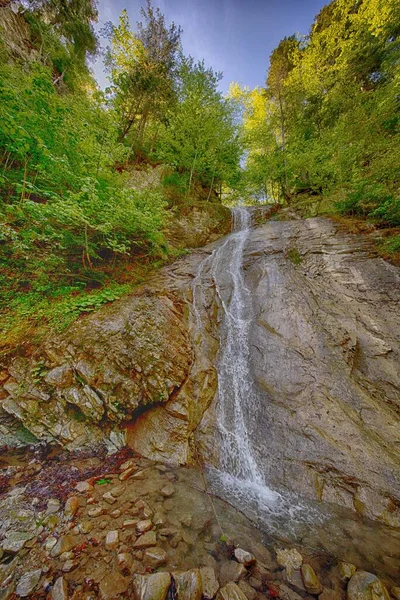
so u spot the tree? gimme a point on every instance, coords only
(143, 69)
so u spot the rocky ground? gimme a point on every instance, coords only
(87, 527)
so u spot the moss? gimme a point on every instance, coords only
(294, 256)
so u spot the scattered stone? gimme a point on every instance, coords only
(366, 586)
(310, 580)
(53, 506)
(125, 560)
(113, 585)
(247, 590)
(15, 541)
(97, 511)
(346, 570)
(130, 523)
(66, 556)
(108, 497)
(126, 474)
(210, 585)
(188, 584)
(115, 513)
(112, 540)
(154, 557)
(127, 465)
(168, 531)
(138, 475)
(146, 540)
(69, 565)
(169, 504)
(329, 594)
(59, 590)
(117, 491)
(255, 583)
(231, 571)
(143, 526)
(243, 557)
(295, 579)
(291, 559)
(168, 490)
(65, 544)
(287, 592)
(50, 543)
(159, 519)
(28, 582)
(71, 507)
(151, 587)
(86, 526)
(6, 593)
(231, 592)
(83, 486)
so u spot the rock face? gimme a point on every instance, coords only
(324, 356)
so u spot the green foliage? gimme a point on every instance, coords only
(294, 256)
(328, 121)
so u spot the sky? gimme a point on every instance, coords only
(232, 36)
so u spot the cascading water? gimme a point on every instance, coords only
(239, 477)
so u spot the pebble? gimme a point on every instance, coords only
(146, 540)
(28, 582)
(130, 523)
(291, 559)
(83, 486)
(71, 507)
(97, 511)
(108, 497)
(247, 590)
(231, 571)
(53, 506)
(143, 526)
(64, 544)
(168, 490)
(188, 584)
(126, 474)
(243, 557)
(366, 586)
(86, 526)
(127, 465)
(117, 491)
(310, 580)
(112, 540)
(154, 557)
(15, 541)
(346, 570)
(116, 513)
(125, 560)
(66, 556)
(50, 543)
(69, 565)
(59, 590)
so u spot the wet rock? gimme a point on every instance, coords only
(247, 590)
(346, 570)
(366, 586)
(231, 571)
(188, 584)
(146, 540)
(15, 541)
(151, 587)
(168, 490)
(294, 577)
(113, 585)
(71, 507)
(289, 558)
(231, 592)
(154, 557)
(310, 580)
(209, 583)
(243, 557)
(112, 540)
(59, 590)
(28, 583)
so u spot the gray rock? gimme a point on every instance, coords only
(244, 557)
(209, 582)
(146, 540)
(15, 541)
(151, 587)
(366, 586)
(28, 583)
(231, 571)
(188, 584)
(231, 592)
(59, 590)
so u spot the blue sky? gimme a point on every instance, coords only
(233, 36)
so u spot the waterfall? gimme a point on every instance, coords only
(239, 475)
